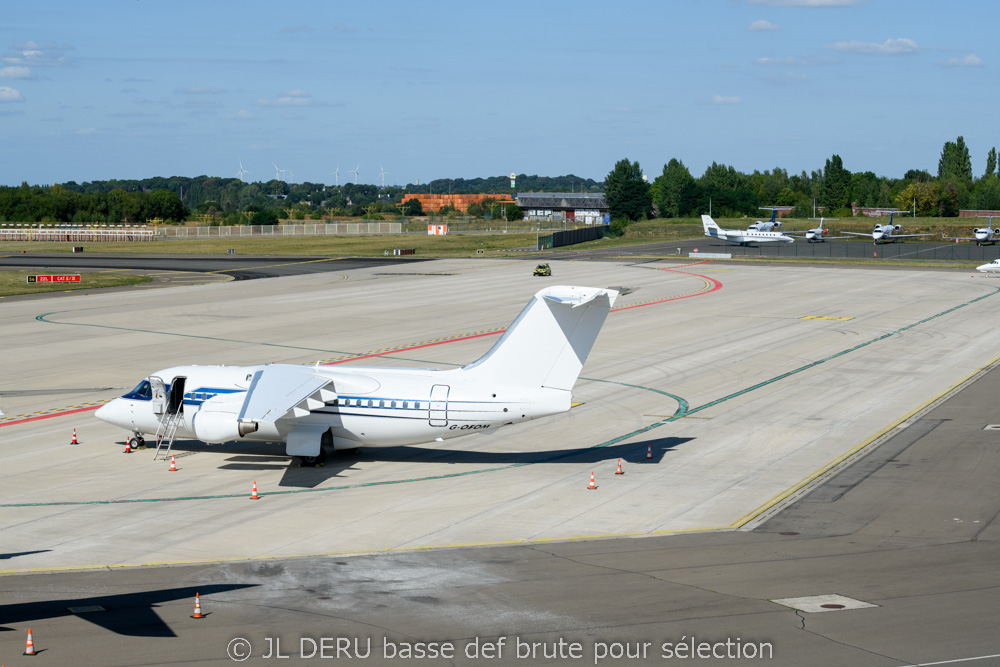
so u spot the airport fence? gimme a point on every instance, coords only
(77, 233)
(138, 233)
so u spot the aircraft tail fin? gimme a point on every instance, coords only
(709, 225)
(774, 213)
(548, 343)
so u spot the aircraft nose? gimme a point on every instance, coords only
(113, 412)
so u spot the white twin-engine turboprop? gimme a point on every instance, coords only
(529, 373)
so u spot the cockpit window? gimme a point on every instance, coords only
(142, 392)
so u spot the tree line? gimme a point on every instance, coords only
(676, 193)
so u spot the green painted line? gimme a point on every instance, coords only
(682, 405)
(682, 411)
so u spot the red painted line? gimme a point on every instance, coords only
(414, 347)
(716, 286)
(54, 414)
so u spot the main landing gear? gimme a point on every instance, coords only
(313, 461)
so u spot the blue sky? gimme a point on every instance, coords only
(135, 88)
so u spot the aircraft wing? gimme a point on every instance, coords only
(281, 391)
(277, 390)
(868, 234)
(906, 236)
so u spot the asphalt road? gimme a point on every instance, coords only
(240, 267)
(800, 249)
(911, 529)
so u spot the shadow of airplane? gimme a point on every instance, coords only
(15, 554)
(263, 456)
(127, 614)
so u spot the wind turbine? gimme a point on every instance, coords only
(382, 173)
(242, 171)
(336, 175)
(355, 172)
(277, 172)
(290, 174)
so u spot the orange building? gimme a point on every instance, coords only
(436, 202)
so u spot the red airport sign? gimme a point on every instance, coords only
(50, 278)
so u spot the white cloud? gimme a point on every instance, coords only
(34, 55)
(794, 61)
(889, 47)
(87, 131)
(971, 60)
(16, 72)
(242, 114)
(201, 90)
(10, 95)
(807, 3)
(761, 25)
(291, 98)
(725, 99)
(346, 29)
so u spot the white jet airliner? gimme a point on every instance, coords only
(988, 234)
(816, 234)
(529, 373)
(992, 267)
(886, 233)
(739, 236)
(769, 226)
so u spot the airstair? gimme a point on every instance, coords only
(166, 431)
(171, 417)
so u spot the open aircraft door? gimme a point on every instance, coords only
(175, 398)
(438, 408)
(159, 394)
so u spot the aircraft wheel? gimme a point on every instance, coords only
(137, 442)
(313, 461)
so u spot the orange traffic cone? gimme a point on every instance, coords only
(619, 471)
(173, 464)
(128, 446)
(254, 496)
(74, 441)
(29, 648)
(197, 607)
(592, 485)
(649, 452)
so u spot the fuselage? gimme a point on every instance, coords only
(372, 406)
(992, 267)
(748, 236)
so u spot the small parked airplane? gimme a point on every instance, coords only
(988, 234)
(816, 234)
(769, 226)
(992, 267)
(742, 237)
(886, 233)
(529, 373)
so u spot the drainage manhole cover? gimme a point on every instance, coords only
(823, 603)
(788, 532)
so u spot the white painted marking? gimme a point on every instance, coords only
(813, 604)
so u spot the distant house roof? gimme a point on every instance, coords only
(565, 200)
